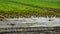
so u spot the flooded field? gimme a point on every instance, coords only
(33, 25)
(30, 22)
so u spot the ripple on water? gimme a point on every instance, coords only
(31, 21)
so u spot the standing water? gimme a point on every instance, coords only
(30, 22)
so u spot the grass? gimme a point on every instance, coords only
(42, 3)
(14, 8)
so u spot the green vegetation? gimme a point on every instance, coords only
(15, 8)
(42, 3)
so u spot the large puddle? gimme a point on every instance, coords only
(30, 22)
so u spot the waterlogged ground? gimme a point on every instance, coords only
(30, 22)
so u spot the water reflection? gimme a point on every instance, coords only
(32, 19)
(37, 21)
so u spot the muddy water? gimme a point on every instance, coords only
(30, 22)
